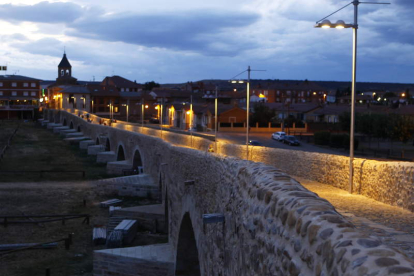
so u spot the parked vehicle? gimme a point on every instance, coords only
(254, 143)
(291, 140)
(278, 136)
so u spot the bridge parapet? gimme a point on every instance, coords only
(272, 225)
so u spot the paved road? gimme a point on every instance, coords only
(267, 141)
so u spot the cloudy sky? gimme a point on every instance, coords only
(188, 40)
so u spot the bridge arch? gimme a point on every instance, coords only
(187, 262)
(97, 141)
(137, 161)
(71, 125)
(65, 122)
(79, 129)
(107, 145)
(121, 153)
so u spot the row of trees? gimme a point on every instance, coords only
(262, 115)
(384, 126)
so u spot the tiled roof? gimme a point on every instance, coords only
(64, 62)
(75, 89)
(103, 90)
(17, 78)
(120, 82)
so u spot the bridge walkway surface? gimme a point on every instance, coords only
(394, 226)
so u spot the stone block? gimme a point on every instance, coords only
(74, 134)
(86, 143)
(105, 156)
(58, 129)
(94, 150)
(75, 140)
(53, 125)
(118, 167)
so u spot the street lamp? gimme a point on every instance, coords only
(247, 108)
(326, 24)
(247, 103)
(215, 119)
(127, 110)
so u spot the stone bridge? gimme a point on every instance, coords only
(230, 217)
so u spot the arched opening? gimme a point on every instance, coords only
(121, 154)
(108, 145)
(137, 163)
(79, 129)
(64, 122)
(166, 215)
(160, 187)
(187, 262)
(71, 125)
(97, 140)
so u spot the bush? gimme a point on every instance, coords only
(346, 142)
(322, 138)
(337, 140)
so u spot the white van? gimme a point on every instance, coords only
(278, 136)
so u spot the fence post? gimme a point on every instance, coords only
(47, 272)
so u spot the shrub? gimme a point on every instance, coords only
(346, 142)
(337, 140)
(322, 138)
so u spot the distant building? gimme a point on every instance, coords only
(66, 92)
(19, 97)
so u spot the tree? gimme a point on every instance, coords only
(148, 86)
(262, 114)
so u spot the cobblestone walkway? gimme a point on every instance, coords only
(393, 225)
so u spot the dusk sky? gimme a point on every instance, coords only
(188, 40)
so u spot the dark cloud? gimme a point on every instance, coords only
(199, 31)
(45, 12)
(405, 3)
(44, 46)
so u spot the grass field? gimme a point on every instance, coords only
(34, 149)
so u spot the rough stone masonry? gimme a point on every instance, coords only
(272, 225)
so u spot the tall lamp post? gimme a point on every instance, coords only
(340, 24)
(215, 119)
(127, 110)
(247, 103)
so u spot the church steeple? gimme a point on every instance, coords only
(65, 72)
(64, 68)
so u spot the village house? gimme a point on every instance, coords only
(19, 96)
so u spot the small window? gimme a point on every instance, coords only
(1, 84)
(14, 93)
(33, 94)
(1, 93)
(33, 84)
(25, 84)
(14, 84)
(122, 89)
(127, 90)
(62, 72)
(25, 93)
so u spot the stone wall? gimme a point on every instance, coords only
(388, 182)
(273, 225)
(136, 185)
